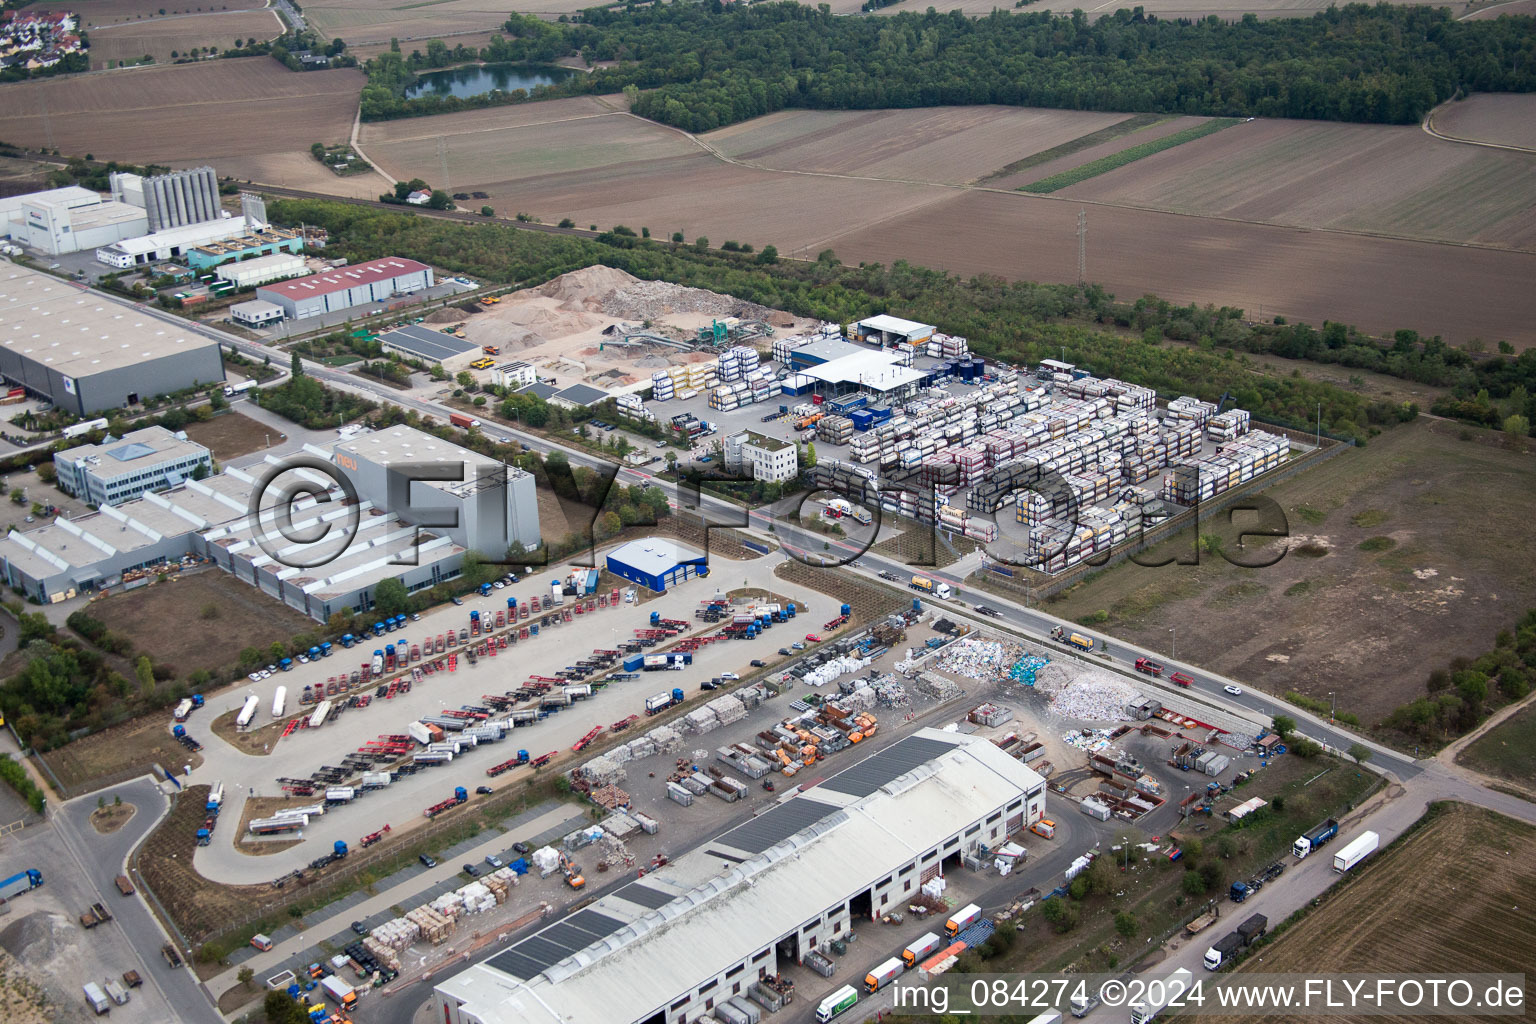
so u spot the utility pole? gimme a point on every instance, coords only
(442, 162)
(1319, 424)
(1082, 248)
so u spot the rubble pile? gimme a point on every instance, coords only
(891, 694)
(603, 770)
(936, 686)
(978, 659)
(1085, 693)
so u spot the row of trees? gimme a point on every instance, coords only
(1465, 691)
(1020, 322)
(702, 66)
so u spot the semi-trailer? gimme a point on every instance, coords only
(1314, 837)
(317, 719)
(1175, 987)
(215, 797)
(279, 701)
(1229, 945)
(19, 883)
(460, 794)
(661, 701)
(247, 712)
(1359, 848)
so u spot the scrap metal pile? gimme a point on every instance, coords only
(1085, 693)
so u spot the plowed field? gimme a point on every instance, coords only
(1504, 119)
(1378, 179)
(953, 145)
(181, 113)
(1454, 896)
(160, 37)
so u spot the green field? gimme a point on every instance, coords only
(1508, 750)
(1104, 165)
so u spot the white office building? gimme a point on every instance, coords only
(66, 220)
(768, 458)
(121, 469)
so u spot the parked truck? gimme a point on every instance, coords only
(1175, 987)
(124, 886)
(838, 1002)
(1077, 640)
(344, 995)
(1314, 837)
(20, 883)
(96, 999)
(247, 711)
(1223, 950)
(882, 975)
(1359, 848)
(962, 919)
(662, 701)
(1229, 945)
(921, 949)
(458, 419)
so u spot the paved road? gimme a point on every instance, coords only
(101, 858)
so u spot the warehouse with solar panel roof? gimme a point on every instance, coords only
(672, 946)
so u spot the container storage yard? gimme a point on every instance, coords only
(1055, 465)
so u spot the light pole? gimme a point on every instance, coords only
(1174, 654)
(1333, 707)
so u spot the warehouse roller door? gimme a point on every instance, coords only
(1016, 824)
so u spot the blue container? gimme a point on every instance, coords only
(847, 609)
(863, 419)
(917, 604)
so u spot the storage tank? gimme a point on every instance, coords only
(279, 699)
(248, 712)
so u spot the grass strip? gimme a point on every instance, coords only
(1103, 165)
(1118, 130)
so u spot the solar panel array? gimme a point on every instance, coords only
(547, 947)
(890, 764)
(773, 827)
(644, 895)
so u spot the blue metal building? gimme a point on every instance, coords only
(656, 563)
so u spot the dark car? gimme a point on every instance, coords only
(359, 928)
(472, 870)
(483, 790)
(784, 651)
(758, 663)
(709, 684)
(520, 847)
(426, 861)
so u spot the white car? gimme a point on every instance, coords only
(266, 674)
(729, 675)
(254, 677)
(1233, 690)
(500, 585)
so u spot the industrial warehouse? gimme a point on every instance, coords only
(85, 351)
(380, 282)
(667, 948)
(656, 563)
(392, 536)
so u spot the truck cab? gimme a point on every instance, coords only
(1240, 891)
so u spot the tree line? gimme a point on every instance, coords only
(699, 66)
(1017, 321)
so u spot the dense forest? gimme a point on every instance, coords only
(699, 66)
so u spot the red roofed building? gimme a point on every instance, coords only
(376, 282)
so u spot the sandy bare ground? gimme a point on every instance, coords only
(559, 326)
(1394, 180)
(1504, 119)
(1375, 283)
(202, 113)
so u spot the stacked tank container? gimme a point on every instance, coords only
(1228, 426)
(661, 387)
(1240, 461)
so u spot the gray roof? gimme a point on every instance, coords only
(540, 390)
(582, 394)
(432, 346)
